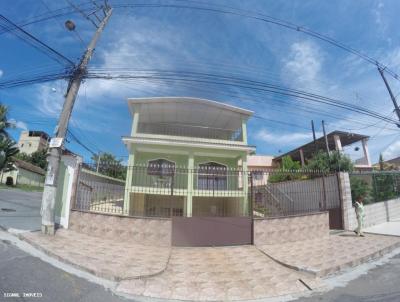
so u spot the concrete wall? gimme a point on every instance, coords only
(290, 229)
(23, 177)
(147, 231)
(377, 213)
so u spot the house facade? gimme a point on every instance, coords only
(187, 157)
(32, 141)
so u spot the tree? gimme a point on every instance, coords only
(381, 162)
(37, 158)
(8, 149)
(288, 171)
(334, 162)
(360, 188)
(4, 123)
(107, 164)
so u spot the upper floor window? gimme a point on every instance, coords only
(212, 176)
(161, 167)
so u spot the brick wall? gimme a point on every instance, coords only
(290, 229)
(147, 231)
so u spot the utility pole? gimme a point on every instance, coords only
(396, 106)
(314, 138)
(53, 159)
(326, 138)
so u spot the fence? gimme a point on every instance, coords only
(375, 186)
(161, 190)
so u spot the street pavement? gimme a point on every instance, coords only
(381, 284)
(20, 209)
(22, 273)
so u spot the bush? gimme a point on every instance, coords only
(360, 188)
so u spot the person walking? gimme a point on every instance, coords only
(360, 213)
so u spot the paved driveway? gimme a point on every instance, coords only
(20, 209)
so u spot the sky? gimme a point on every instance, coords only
(181, 39)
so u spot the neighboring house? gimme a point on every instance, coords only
(259, 165)
(32, 141)
(184, 158)
(391, 164)
(24, 174)
(336, 141)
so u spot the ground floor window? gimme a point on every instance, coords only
(212, 176)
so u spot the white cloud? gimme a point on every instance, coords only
(303, 65)
(392, 151)
(50, 100)
(18, 124)
(1, 73)
(283, 139)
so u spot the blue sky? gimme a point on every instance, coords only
(188, 40)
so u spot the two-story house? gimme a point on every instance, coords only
(184, 156)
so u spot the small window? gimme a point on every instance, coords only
(161, 167)
(257, 175)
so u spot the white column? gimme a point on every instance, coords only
(338, 143)
(189, 198)
(245, 178)
(128, 182)
(366, 152)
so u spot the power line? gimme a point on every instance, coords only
(35, 42)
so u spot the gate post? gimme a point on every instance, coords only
(346, 201)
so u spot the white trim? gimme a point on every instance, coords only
(179, 99)
(163, 151)
(136, 140)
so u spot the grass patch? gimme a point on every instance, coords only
(27, 188)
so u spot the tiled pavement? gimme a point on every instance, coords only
(107, 258)
(212, 273)
(220, 273)
(326, 255)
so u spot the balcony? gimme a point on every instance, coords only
(190, 131)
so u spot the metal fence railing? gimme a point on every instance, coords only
(161, 190)
(375, 186)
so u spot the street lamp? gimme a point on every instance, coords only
(70, 25)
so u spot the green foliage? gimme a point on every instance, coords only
(4, 123)
(37, 158)
(334, 162)
(108, 165)
(288, 164)
(360, 189)
(384, 187)
(8, 149)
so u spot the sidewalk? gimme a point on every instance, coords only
(387, 228)
(106, 258)
(213, 273)
(327, 255)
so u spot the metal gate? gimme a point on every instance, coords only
(211, 231)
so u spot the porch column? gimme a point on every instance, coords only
(338, 143)
(244, 131)
(366, 152)
(245, 177)
(302, 158)
(189, 197)
(128, 182)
